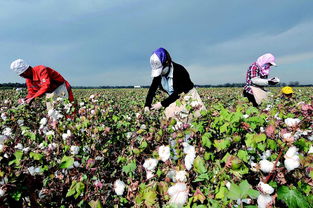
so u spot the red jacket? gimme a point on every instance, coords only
(45, 80)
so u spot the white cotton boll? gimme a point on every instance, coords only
(266, 154)
(52, 146)
(119, 187)
(1, 147)
(189, 160)
(178, 126)
(276, 117)
(143, 126)
(2, 192)
(150, 164)
(247, 201)
(81, 104)
(54, 114)
(265, 188)
(50, 133)
(245, 116)
(164, 153)
(310, 138)
(7, 131)
(178, 194)
(189, 149)
(66, 135)
(128, 135)
(292, 163)
(310, 150)
(19, 146)
(26, 149)
(264, 200)
(93, 112)
(74, 150)
(4, 116)
(150, 174)
(291, 122)
(291, 151)
(32, 170)
(194, 103)
(262, 129)
(181, 176)
(76, 164)
(266, 166)
(92, 97)
(137, 115)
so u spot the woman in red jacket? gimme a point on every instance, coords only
(42, 80)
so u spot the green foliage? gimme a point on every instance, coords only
(292, 197)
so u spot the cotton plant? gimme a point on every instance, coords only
(292, 160)
(119, 187)
(33, 170)
(266, 166)
(54, 114)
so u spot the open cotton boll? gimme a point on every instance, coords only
(150, 164)
(189, 160)
(150, 174)
(310, 150)
(266, 166)
(181, 176)
(74, 150)
(66, 135)
(164, 153)
(265, 188)
(2, 192)
(264, 200)
(291, 151)
(292, 162)
(266, 154)
(178, 194)
(19, 146)
(7, 131)
(119, 187)
(291, 122)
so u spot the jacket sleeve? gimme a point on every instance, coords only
(172, 98)
(45, 83)
(153, 88)
(30, 90)
(259, 81)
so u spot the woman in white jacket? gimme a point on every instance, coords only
(257, 79)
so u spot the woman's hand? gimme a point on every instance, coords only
(156, 106)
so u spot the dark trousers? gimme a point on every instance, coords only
(250, 98)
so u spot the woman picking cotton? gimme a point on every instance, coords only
(257, 79)
(173, 79)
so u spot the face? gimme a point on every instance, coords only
(267, 66)
(27, 74)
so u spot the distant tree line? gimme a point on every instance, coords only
(23, 85)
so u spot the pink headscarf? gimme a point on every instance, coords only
(267, 58)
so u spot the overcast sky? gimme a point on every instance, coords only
(102, 42)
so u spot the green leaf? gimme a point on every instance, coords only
(222, 193)
(253, 193)
(71, 190)
(244, 188)
(202, 177)
(35, 156)
(95, 204)
(67, 162)
(199, 165)
(234, 192)
(221, 144)
(206, 140)
(130, 167)
(292, 197)
(150, 198)
(223, 128)
(243, 155)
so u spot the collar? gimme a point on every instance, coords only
(171, 71)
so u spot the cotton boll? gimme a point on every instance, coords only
(310, 150)
(7, 131)
(150, 164)
(3, 138)
(119, 187)
(74, 150)
(171, 174)
(266, 166)
(292, 163)
(265, 188)
(180, 176)
(19, 146)
(291, 151)
(291, 122)
(164, 153)
(2, 192)
(150, 174)
(1, 147)
(178, 194)
(264, 200)
(189, 161)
